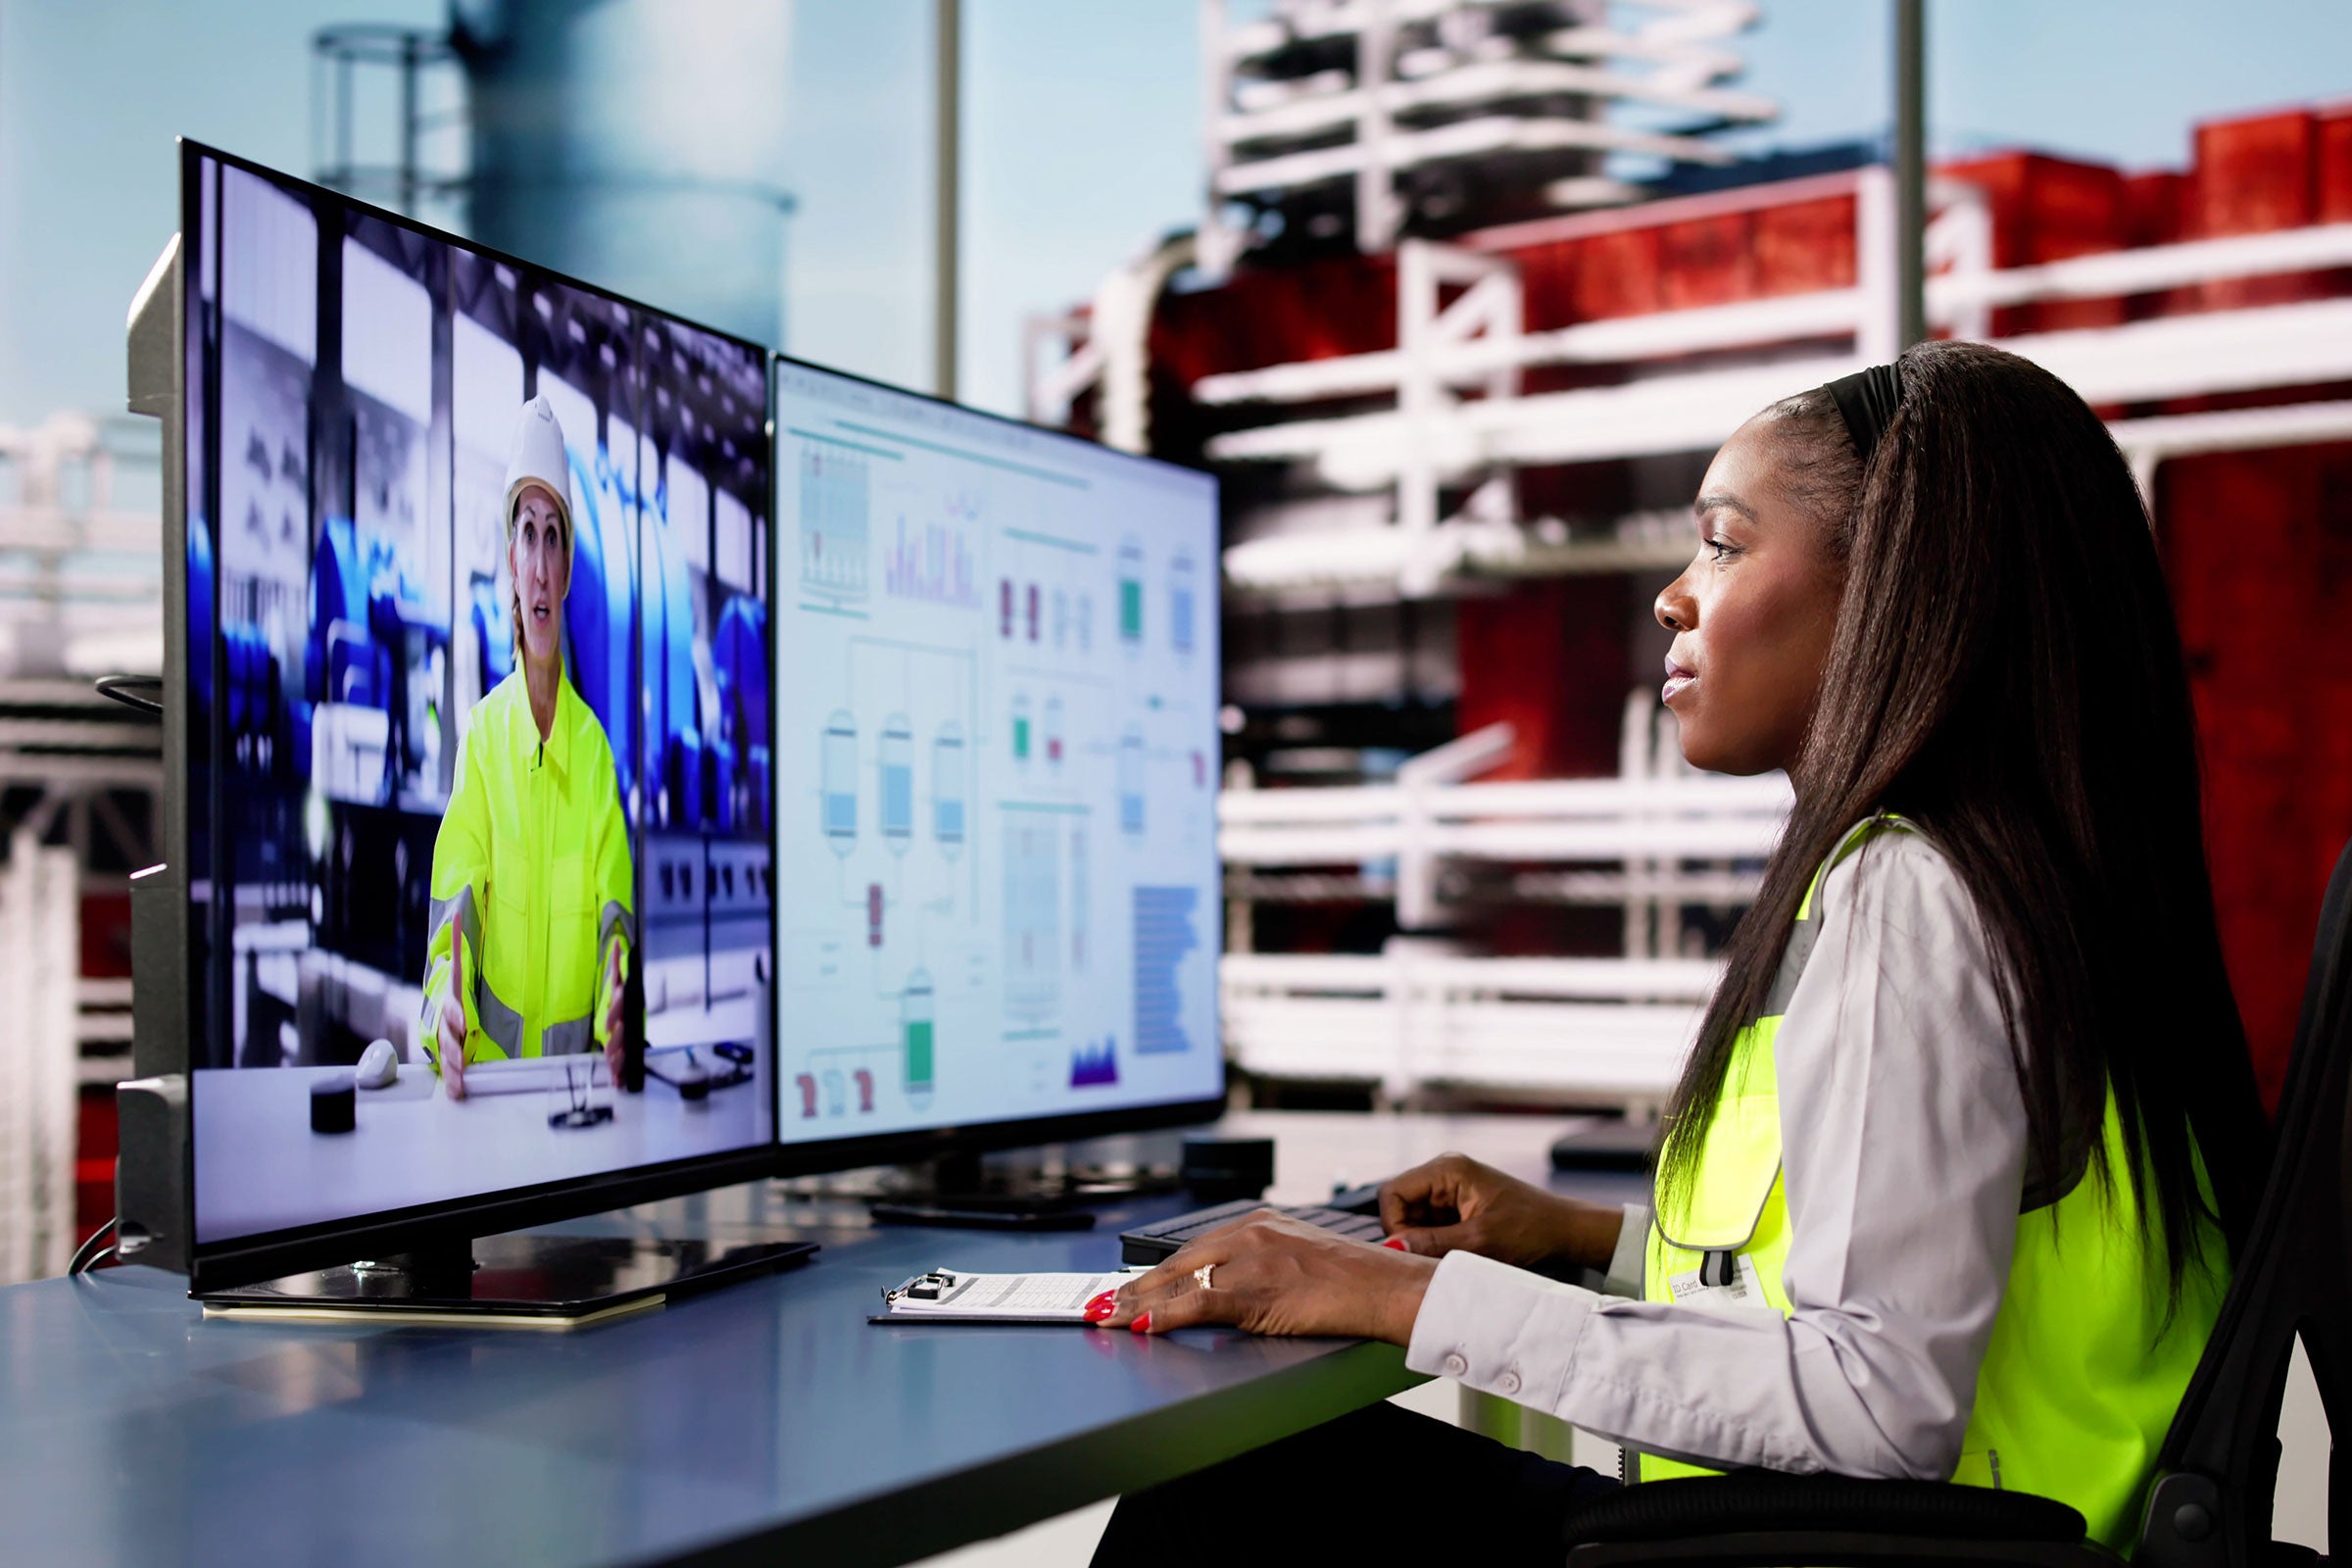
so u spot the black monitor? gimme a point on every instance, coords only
(474, 758)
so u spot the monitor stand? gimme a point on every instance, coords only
(523, 1278)
(959, 1192)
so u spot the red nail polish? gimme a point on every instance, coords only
(1142, 1325)
(1097, 1311)
(1107, 1295)
(1397, 1242)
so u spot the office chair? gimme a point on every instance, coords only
(2216, 1475)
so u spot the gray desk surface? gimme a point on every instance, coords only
(758, 1419)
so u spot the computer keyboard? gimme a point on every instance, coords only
(1353, 1214)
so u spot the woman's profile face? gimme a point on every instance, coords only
(541, 562)
(1751, 614)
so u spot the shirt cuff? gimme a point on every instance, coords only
(1499, 1329)
(1628, 1264)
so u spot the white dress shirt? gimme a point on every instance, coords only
(1905, 1156)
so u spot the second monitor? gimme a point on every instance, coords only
(996, 778)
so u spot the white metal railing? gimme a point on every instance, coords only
(1749, 324)
(39, 959)
(1435, 82)
(1419, 1015)
(1457, 418)
(82, 589)
(1594, 1029)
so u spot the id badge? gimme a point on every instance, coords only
(1742, 1292)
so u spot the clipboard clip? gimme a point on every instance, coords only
(928, 1287)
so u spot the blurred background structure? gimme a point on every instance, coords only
(1460, 410)
(1455, 296)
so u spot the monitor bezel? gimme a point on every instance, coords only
(267, 1255)
(817, 1155)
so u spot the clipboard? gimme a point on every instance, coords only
(953, 1295)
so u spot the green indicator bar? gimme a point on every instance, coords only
(853, 446)
(967, 455)
(918, 1054)
(835, 609)
(1020, 737)
(1032, 536)
(1032, 1034)
(1055, 807)
(1130, 608)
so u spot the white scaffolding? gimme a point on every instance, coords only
(1448, 418)
(1384, 117)
(39, 934)
(1424, 1017)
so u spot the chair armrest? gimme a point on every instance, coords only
(1840, 1548)
(1761, 1516)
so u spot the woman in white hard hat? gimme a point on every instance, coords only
(532, 881)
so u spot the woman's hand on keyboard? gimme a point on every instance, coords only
(1454, 1203)
(1271, 1274)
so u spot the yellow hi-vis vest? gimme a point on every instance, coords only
(531, 871)
(2081, 1376)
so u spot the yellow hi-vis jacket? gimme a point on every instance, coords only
(2088, 1361)
(532, 872)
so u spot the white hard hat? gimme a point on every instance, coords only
(539, 460)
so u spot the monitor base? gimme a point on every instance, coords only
(522, 1279)
(961, 1191)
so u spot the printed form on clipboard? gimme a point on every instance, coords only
(949, 1295)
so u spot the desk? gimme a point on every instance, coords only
(763, 1422)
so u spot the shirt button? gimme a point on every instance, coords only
(1455, 1366)
(1507, 1384)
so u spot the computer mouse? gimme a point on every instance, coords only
(380, 1065)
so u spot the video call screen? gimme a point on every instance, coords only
(479, 706)
(996, 771)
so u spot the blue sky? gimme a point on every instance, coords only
(1082, 140)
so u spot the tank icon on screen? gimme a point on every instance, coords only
(897, 783)
(1180, 604)
(914, 1023)
(1131, 594)
(1053, 737)
(948, 797)
(837, 783)
(1021, 737)
(1131, 781)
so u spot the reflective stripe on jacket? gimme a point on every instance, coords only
(2083, 1374)
(531, 871)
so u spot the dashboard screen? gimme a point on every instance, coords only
(997, 677)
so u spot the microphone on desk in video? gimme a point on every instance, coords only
(633, 1024)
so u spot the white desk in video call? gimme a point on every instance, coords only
(261, 1168)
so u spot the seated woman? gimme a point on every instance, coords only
(1952, 1177)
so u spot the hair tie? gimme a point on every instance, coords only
(1866, 400)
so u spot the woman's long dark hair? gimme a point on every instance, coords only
(2006, 672)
